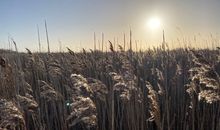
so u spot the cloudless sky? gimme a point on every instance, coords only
(73, 22)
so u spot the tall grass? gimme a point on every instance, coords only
(159, 89)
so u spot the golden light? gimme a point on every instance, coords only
(154, 23)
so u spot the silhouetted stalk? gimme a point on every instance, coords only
(48, 44)
(38, 34)
(102, 42)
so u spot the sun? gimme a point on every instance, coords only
(154, 23)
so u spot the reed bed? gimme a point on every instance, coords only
(156, 89)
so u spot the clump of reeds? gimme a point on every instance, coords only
(11, 117)
(83, 113)
(154, 107)
(126, 96)
(100, 98)
(80, 86)
(48, 93)
(203, 89)
(51, 104)
(99, 89)
(205, 80)
(121, 87)
(83, 110)
(54, 68)
(107, 91)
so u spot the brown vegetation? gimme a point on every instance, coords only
(119, 90)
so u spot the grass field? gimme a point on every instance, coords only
(155, 89)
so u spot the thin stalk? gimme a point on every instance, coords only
(102, 41)
(124, 41)
(130, 39)
(94, 41)
(48, 44)
(38, 34)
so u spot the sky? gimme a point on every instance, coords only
(73, 22)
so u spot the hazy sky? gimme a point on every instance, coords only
(74, 21)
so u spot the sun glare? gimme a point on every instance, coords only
(154, 23)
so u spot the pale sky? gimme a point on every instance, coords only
(73, 22)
